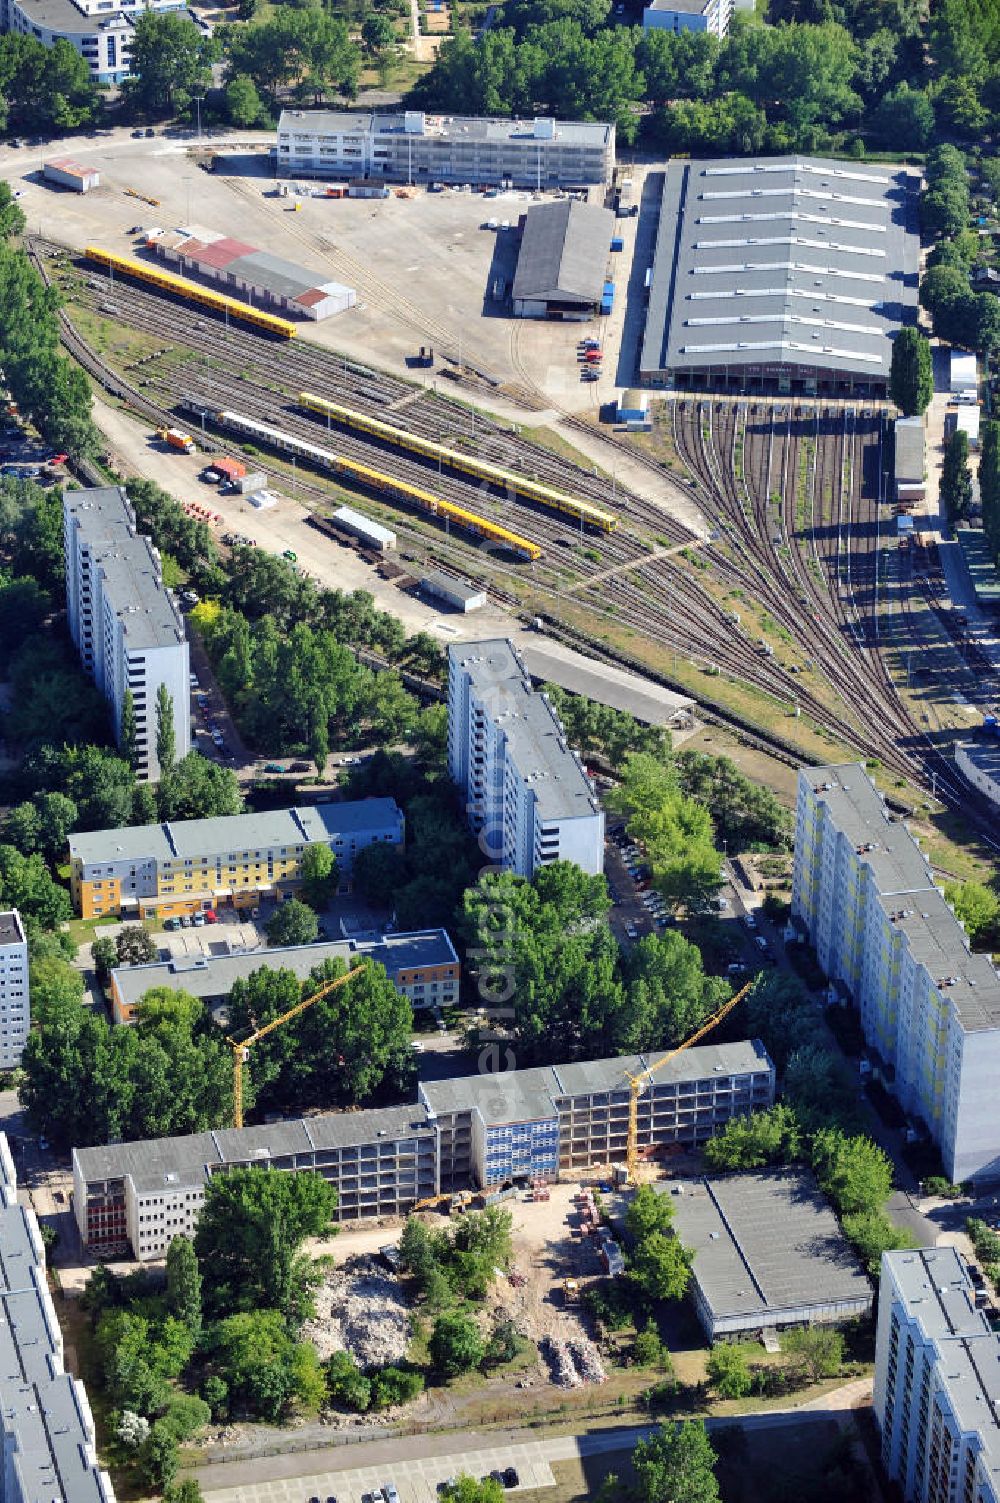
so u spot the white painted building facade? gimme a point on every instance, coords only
(15, 1007)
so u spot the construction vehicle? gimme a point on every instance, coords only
(571, 1291)
(639, 1082)
(433, 1202)
(462, 1200)
(176, 439)
(241, 1049)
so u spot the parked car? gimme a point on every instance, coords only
(171, 924)
(199, 920)
(750, 921)
(510, 1477)
(292, 558)
(211, 917)
(274, 767)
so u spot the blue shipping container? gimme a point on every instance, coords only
(618, 244)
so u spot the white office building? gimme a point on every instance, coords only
(688, 15)
(528, 796)
(101, 31)
(126, 625)
(937, 1381)
(15, 1012)
(892, 947)
(412, 147)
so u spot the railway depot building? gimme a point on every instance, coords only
(891, 946)
(768, 1253)
(527, 795)
(239, 269)
(788, 275)
(410, 146)
(474, 1131)
(181, 866)
(562, 261)
(124, 622)
(423, 966)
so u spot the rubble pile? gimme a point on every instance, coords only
(588, 1361)
(564, 1372)
(360, 1309)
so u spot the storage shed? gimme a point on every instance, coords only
(70, 174)
(457, 593)
(562, 262)
(768, 1253)
(909, 462)
(224, 468)
(963, 373)
(242, 270)
(359, 526)
(633, 406)
(967, 422)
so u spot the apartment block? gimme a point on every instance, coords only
(937, 1381)
(412, 147)
(15, 1009)
(481, 1130)
(535, 1123)
(47, 1432)
(158, 871)
(423, 966)
(528, 796)
(891, 947)
(135, 1197)
(101, 31)
(712, 16)
(123, 620)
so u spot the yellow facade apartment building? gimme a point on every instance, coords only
(183, 866)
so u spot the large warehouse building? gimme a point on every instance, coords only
(562, 261)
(264, 279)
(788, 276)
(411, 147)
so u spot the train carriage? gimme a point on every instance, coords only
(369, 478)
(466, 464)
(167, 281)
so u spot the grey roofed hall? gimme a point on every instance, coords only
(795, 261)
(766, 1248)
(564, 253)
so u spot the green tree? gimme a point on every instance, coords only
(676, 831)
(817, 1350)
(956, 477)
(158, 1457)
(128, 736)
(455, 1344)
(292, 923)
(135, 945)
(169, 62)
(757, 1141)
(25, 884)
(249, 1236)
(264, 1369)
(676, 1465)
(166, 740)
(244, 105)
(379, 872)
(467, 1489)
(104, 954)
(347, 1385)
(911, 380)
(871, 1233)
(319, 875)
(53, 984)
(854, 1172)
(195, 788)
(728, 1370)
(979, 909)
(185, 1491)
(184, 1284)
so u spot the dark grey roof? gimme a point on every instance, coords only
(564, 252)
(651, 703)
(909, 464)
(438, 582)
(795, 261)
(443, 128)
(11, 931)
(280, 277)
(984, 754)
(764, 1243)
(133, 579)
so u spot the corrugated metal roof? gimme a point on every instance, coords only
(218, 253)
(564, 253)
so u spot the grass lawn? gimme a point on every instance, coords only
(82, 931)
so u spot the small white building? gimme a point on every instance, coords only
(963, 373)
(457, 593)
(688, 15)
(15, 1010)
(967, 422)
(346, 519)
(70, 174)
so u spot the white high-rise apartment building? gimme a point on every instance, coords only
(15, 1011)
(890, 944)
(937, 1381)
(124, 622)
(528, 796)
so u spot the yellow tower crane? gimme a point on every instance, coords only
(638, 1083)
(241, 1050)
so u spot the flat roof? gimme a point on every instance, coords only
(231, 833)
(982, 567)
(130, 565)
(909, 461)
(214, 251)
(564, 252)
(535, 736)
(984, 754)
(907, 893)
(534, 1094)
(11, 928)
(963, 369)
(937, 1294)
(552, 662)
(216, 975)
(352, 518)
(798, 261)
(445, 127)
(764, 1243)
(67, 164)
(62, 16)
(682, 7)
